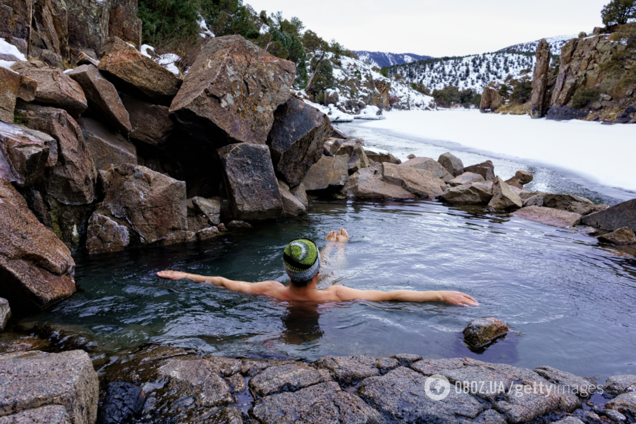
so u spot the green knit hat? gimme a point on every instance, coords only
(302, 260)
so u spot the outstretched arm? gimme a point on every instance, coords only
(239, 286)
(452, 298)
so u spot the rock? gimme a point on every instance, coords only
(237, 383)
(473, 194)
(619, 216)
(621, 237)
(536, 200)
(520, 406)
(452, 164)
(485, 169)
(382, 157)
(321, 403)
(503, 197)
(36, 268)
(430, 165)
(414, 180)
(565, 113)
(520, 179)
(491, 100)
(139, 75)
(24, 154)
(5, 313)
(9, 89)
(301, 194)
(401, 395)
(54, 88)
(239, 225)
(358, 159)
(540, 80)
(411, 156)
(121, 403)
(28, 89)
(26, 383)
(106, 235)
(570, 420)
(336, 133)
(548, 216)
(483, 331)
(231, 92)
(102, 97)
(54, 414)
(466, 178)
(333, 146)
(615, 416)
(153, 204)
(208, 233)
(291, 205)
(328, 172)
(211, 208)
(407, 359)
(571, 203)
(106, 147)
(430, 367)
(625, 404)
(490, 417)
(349, 370)
(483, 382)
(72, 180)
(123, 22)
(369, 184)
(578, 385)
(289, 377)
(251, 183)
(620, 384)
(296, 139)
(151, 124)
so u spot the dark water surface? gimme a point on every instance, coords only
(571, 303)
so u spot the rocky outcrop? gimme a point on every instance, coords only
(36, 268)
(368, 183)
(504, 198)
(251, 182)
(619, 216)
(452, 164)
(9, 89)
(151, 124)
(420, 182)
(328, 172)
(123, 21)
(24, 154)
(103, 99)
(565, 113)
(232, 91)
(71, 181)
(540, 80)
(297, 138)
(106, 147)
(26, 387)
(54, 88)
(483, 331)
(549, 216)
(430, 165)
(491, 100)
(139, 75)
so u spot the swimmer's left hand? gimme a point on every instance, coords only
(172, 275)
(459, 299)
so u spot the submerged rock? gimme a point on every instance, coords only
(621, 237)
(482, 331)
(549, 216)
(231, 92)
(122, 402)
(414, 180)
(328, 172)
(452, 163)
(27, 384)
(36, 268)
(619, 216)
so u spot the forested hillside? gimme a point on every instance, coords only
(556, 44)
(381, 59)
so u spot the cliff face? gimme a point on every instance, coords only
(57, 31)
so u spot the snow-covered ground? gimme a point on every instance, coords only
(599, 154)
(556, 43)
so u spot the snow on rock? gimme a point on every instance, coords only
(167, 60)
(6, 48)
(205, 30)
(370, 113)
(556, 44)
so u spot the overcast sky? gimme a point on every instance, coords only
(438, 27)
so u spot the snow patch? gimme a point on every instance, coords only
(205, 30)
(167, 60)
(6, 48)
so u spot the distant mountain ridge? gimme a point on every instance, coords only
(381, 59)
(556, 43)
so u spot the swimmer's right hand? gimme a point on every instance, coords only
(173, 275)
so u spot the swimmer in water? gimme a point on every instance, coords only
(302, 263)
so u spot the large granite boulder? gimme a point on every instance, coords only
(292, 206)
(24, 154)
(549, 216)
(297, 138)
(414, 180)
(540, 80)
(72, 180)
(251, 182)
(466, 178)
(504, 198)
(54, 87)
(485, 169)
(36, 268)
(368, 183)
(153, 205)
(452, 164)
(9, 89)
(619, 216)
(103, 99)
(34, 380)
(470, 194)
(571, 203)
(105, 234)
(211, 208)
(328, 172)
(520, 179)
(106, 147)
(123, 21)
(139, 75)
(232, 91)
(621, 237)
(430, 165)
(151, 124)
(620, 384)
(491, 100)
(483, 331)
(383, 157)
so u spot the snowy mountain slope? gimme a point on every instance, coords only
(475, 71)
(381, 59)
(556, 43)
